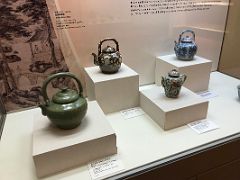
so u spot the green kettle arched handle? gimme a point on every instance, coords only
(186, 31)
(59, 75)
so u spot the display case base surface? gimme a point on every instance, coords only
(55, 150)
(114, 92)
(197, 70)
(170, 113)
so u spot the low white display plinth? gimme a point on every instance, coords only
(55, 150)
(114, 92)
(198, 71)
(173, 112)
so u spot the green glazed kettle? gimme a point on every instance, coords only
(67, 107)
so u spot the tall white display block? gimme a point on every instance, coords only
(173, 112)
(197, 70)
(114, 92)
(55, 150)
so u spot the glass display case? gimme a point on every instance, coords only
(2, 116)
(229, 61)
(133, 128)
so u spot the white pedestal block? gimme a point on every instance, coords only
(173, 112)
(55, 150)
(114, 92)
(198, 71)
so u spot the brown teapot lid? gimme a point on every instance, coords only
(109, 49)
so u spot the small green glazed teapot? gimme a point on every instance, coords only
(67, 107)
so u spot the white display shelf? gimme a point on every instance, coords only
(140, 140)
(171, 113)
(113, 92)
(56, 150)
(197, 70)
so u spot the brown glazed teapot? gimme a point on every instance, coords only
(109, 58)
(67, 107)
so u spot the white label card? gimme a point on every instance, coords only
(102, 168)
(203, 126)
(131, 113)
(207, 94)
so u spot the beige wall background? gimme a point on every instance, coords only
(230, 57)
(141, 38)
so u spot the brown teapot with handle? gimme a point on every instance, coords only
(109, 58)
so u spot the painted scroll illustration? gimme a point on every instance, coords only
(29, 52)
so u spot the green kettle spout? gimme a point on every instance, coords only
(95, 59)
(44, 110)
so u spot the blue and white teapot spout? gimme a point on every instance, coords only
(186, 48)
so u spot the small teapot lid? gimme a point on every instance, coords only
(174, 73)
(187, 39)
(65, 96)
(109, 49)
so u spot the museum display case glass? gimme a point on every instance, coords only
(2, 116)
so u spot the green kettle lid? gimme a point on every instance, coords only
(65, 96)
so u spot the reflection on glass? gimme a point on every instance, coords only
(229, 61)
(2, 116)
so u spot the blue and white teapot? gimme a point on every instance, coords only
(186, 48)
